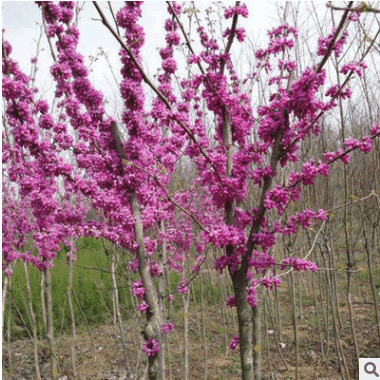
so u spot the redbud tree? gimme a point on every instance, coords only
(57, 166)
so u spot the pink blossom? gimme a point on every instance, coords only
(251, 296)
(170, 25)
(353, 16)
(234, 342)
(167, 328)
(353, 67)
(173, 39)
(240, 34)
(298, 264)
(138, 288)
(169, 65)
(375, 129)
(155, 269)
(143, 307)
(151, 347)
(241, 10)
(182, 287)
(231, 302)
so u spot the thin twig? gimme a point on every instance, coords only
(310, 250)
(363, 8)
(114, 18)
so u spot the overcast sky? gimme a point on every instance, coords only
(22, 19)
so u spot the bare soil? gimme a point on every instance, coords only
(103, 360)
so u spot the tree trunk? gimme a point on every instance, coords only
(43, 304)
(204, 329)
(34, 325)
(292, 292)
(118, 314)
(256, 341)
(9, 323)
(161, 294)
(72, 319)
(152, 328)
(5, 288)
(50, 324)
(185, 298)
(244, 315)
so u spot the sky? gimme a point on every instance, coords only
(22, 21)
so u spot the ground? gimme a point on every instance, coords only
(104, 359)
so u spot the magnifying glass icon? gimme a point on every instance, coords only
(371, 371)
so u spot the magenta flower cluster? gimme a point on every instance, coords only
(298, 264)
(167, 328)
(234, 342)
(151, 347)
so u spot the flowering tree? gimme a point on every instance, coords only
(127, 180)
